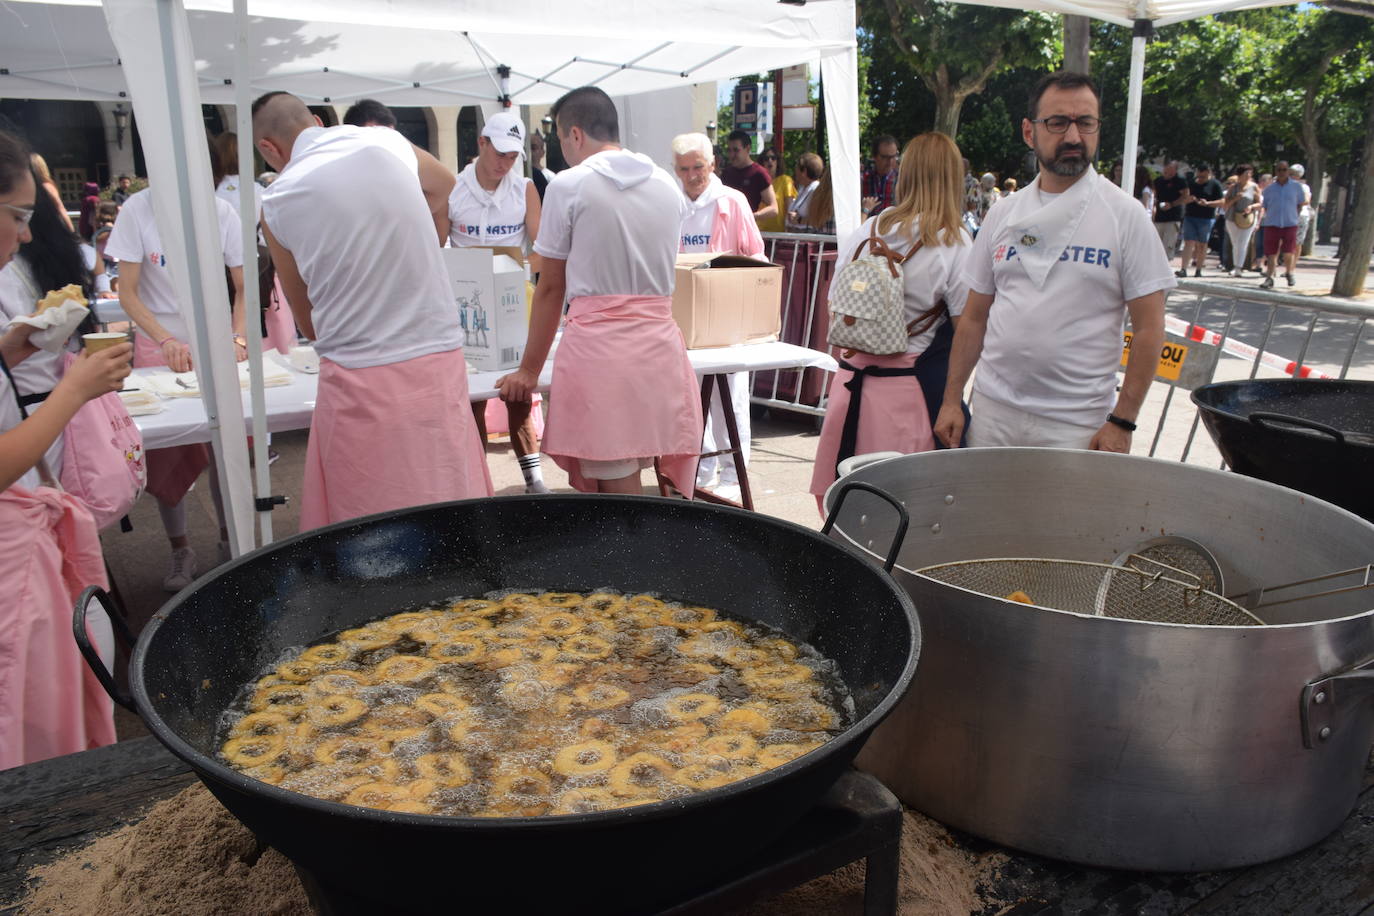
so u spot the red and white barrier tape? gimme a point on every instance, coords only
(1235, 347)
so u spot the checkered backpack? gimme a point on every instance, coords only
(868, 302)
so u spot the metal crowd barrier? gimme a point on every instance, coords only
(807, 261)
(1235, 333)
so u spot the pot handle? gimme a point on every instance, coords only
(903, 520)
(1262, 418)
(1320, 715)
(83, 642)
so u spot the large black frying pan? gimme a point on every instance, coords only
(230, 625)
(1316, 436)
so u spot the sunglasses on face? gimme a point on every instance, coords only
(22, 215)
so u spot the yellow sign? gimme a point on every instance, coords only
(1171, 357)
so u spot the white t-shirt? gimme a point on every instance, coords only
(701, 217)
(481, 217)
(931, 274)
(349, 208)
(616, 219)
(229, 190)
(135, 238)
(41, 372)
(1054, 351)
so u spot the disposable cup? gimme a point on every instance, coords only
(94, 343)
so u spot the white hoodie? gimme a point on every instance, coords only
(615, 219)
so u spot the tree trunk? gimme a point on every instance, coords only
(1077, 40)
(1354, 267)
(1316, 173)
(948, 104)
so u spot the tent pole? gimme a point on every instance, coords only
(1140, 36)
(243, 118)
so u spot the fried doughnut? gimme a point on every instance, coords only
(441, 705)
(464, 651)
(681, 739)
(297, 672)
(367, 638)
(466, 626)
(584, 758)
(377, 795)
(732, 746)
(262, 723)
(603, 604)
(459, 730)
(382, 769)
(402, 623)
(688, 707)
(340, 680)
(253, 750)
(350, 750)
(747, 657)
(560, 599)
(524, 782)
(398, 716)
(446, 769)
(1020, 597)
(268, 773)
(478, 607)
(410, 806)
(520, 601)
(640, 773)
(687, 617)
(601, 696)
(587, 647)
(701, 776)
(327, 654)
(561, 623)
(745, 719)
(292, 696)
(777, 754)
(779, 647)
(644, 603)
(405, 669)
(806, 716)
(771, 677)
(586, 801)
(336, 711)
(535, 653)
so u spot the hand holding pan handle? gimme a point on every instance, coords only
(83, 642)
(903, 520)
(1262, 418)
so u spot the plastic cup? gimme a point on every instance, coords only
(94, 343)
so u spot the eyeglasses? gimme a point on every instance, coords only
(21, 215)
(1059, 124)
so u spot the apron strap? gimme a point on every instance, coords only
(849, 433)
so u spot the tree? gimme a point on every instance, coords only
(956, 48)
(1354, 266)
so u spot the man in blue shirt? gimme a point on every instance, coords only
(1283, 200)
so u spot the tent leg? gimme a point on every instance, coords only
(1143, 29)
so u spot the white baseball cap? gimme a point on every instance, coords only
(505, 132)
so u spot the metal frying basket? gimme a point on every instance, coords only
(1095, 588)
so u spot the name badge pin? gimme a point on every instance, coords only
(1028, 240)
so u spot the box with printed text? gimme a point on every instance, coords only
(489, 289)
(723, 300)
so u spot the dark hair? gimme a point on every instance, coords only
(264, 99)
(741, 136)
(1060, 79)
(1245, 167)
(53, 255)
(369, 111)
(124, 178)
(885, 138)
(592, 110)
(1142, 180)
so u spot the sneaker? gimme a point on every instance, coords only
(730, 491)
(183, 570)
(1197, 272)
(1181, 274)
(1267, 283)
(1292, 281)
(1237, 274)
(538, 487)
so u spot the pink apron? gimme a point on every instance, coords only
(281, 324)
(623, 388)
(50, 702)
(389, 437)
(171, 471)
(891, 416)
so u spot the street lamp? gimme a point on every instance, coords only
(711, 130)
(121, 122)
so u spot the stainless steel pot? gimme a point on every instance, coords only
(1113, 742)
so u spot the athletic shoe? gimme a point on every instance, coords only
(1181, 274)
(730, 491)
(536, 488)
(1291, 280)
(1236, 273)
(1198, 272)
(1267, 283)
(183, 570)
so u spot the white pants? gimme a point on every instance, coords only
(997, 424)
(717, 437)
(1240, 243)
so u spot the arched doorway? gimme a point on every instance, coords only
(413, 125)
(70, 136)
(468, 129)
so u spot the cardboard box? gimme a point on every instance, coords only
(722, 300)
(489, 289)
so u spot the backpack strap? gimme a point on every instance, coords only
(926, 320)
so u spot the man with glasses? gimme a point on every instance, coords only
(1283, 200)
(1051, 274)
(880, 181)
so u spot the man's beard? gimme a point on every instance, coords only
(1066, 168)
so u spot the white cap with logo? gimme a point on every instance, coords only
(505, 132)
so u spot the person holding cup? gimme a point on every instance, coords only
(49, 547)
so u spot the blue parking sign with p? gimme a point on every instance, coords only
(746, 106)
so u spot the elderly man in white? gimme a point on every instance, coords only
(718, 220)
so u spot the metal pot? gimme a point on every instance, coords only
(1115, 742)
(229, 626)
(1313, 435)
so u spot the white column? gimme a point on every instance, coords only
(443, 134)
(1143, 28)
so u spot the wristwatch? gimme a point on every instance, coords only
(1122, 422)
(240, 340)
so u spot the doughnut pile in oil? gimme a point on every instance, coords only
(535, 703)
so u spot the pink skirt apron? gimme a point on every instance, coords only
(390, 437)
(281, 324)
(50, 702)
(171, 471)
(623, 388)
(892, 414)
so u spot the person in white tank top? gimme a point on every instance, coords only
(493, 205)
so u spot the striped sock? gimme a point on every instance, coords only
(534, 477)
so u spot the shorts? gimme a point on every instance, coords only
(1278, 239)
(1168, 234)
(614, 469)
(996, 424)
(1197, 228)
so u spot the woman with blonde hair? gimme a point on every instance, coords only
(884, 403)
(49, 187)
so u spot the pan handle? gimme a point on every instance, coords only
(903, 520)
(1262, 418)
(83, 642)
(1320, 714)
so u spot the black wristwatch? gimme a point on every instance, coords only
(1119, 421)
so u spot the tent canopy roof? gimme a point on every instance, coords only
(343, 50)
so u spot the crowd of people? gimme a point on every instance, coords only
(1064, 260)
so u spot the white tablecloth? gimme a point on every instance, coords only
(183, 420)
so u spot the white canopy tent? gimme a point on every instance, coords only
(169, 56)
